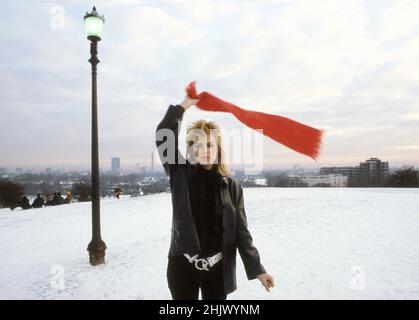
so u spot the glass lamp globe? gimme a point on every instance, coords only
(93, 25)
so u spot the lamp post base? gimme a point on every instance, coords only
(96, 252)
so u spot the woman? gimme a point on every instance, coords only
(209, 222)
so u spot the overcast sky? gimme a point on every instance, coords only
(349, 67)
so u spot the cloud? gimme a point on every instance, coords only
(398, 20)
(345, 66)
(406, 147)
(203, 10)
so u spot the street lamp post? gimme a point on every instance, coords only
(94, 27)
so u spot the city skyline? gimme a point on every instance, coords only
(347, 67)
(149, 168)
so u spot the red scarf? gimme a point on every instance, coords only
(297, 136)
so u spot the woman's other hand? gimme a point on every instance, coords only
(266, 280)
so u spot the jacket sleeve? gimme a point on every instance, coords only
(248, 252)
(170, 125)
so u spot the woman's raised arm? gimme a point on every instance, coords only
(167, 135)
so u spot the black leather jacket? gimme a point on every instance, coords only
(229, 199)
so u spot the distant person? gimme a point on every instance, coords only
(68, 197)
(209, 219)
(38, 202)
(117, 192)
(55, 199)
(48, 202)
(24, 203)
(60, 198)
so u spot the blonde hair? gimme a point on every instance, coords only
(207, 127)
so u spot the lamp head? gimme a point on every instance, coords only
(93, 24)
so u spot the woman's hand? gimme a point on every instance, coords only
(266, 280)
(188, 102)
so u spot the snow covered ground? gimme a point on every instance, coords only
(318, 243)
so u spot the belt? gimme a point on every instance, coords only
(205, 262)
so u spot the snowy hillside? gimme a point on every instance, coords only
(318, 243)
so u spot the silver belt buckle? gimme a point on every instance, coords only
(204, 262)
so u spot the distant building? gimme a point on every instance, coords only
(371, 173)
(19, 170)
(3, 170)
(352, 173)
(239, 173)
(116, 166)
(296, 169)
(332, 180)
(261, 182)
(48, 170)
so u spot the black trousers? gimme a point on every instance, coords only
(184, 280)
